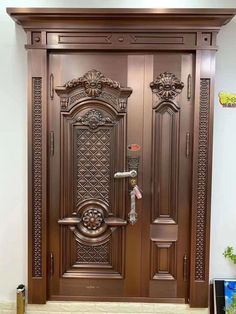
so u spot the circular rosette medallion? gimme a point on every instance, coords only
(92, 226)
(92, 219)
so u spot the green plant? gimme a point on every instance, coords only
(229, 253)
(231, 309)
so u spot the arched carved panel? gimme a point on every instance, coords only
(96, 86)
(93, 129)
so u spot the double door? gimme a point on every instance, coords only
(111, 113)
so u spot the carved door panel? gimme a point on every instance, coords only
(100, 104)
(167, 182)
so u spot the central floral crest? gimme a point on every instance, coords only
(167, 86)
(93, 82)
(94, 118)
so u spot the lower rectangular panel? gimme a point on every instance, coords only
(91, 287)
(164, 289)
(163, 261)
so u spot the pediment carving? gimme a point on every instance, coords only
(93, 85)
(167, 86)
(93, 82)
(94, 118)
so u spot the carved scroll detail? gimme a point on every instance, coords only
(167, 86)
(37, 175)
(202, 179)
(93, 81)
(94, 118)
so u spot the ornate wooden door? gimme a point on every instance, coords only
(81, 244)
(109, 113)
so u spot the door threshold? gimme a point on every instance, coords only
(113, 307)
(117, 299)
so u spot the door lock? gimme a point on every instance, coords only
(133, 189)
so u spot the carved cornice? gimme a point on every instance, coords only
(93, 85)
(138, 18)
(167, 86)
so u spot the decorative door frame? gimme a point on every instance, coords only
(120, 30)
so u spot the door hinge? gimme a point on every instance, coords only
(187, 144)
(51, 86)
(51, 264)
(51, 143)
(189, 87)
(185, 267)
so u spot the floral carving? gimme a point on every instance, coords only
(167, 86)
(92, 219)
(93, 82)
(94, 118)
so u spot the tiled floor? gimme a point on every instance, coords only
(102, 307)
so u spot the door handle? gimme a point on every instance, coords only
(69, 221)
(115, 222)
(110, 221)
(126, 174)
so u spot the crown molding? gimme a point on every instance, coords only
(151, 19)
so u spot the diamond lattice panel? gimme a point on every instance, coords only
(93, 161)
(99, 254)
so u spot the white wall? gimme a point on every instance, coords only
(223, 219)
(13, 140)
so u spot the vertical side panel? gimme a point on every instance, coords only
(201, 193)
(166, 129)
(136, 68)
(37, 137)
(147, 173)
(166, 107)
(37, 176)
(203, 140)
(171, 178)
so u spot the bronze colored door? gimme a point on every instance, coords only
(112, 116)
